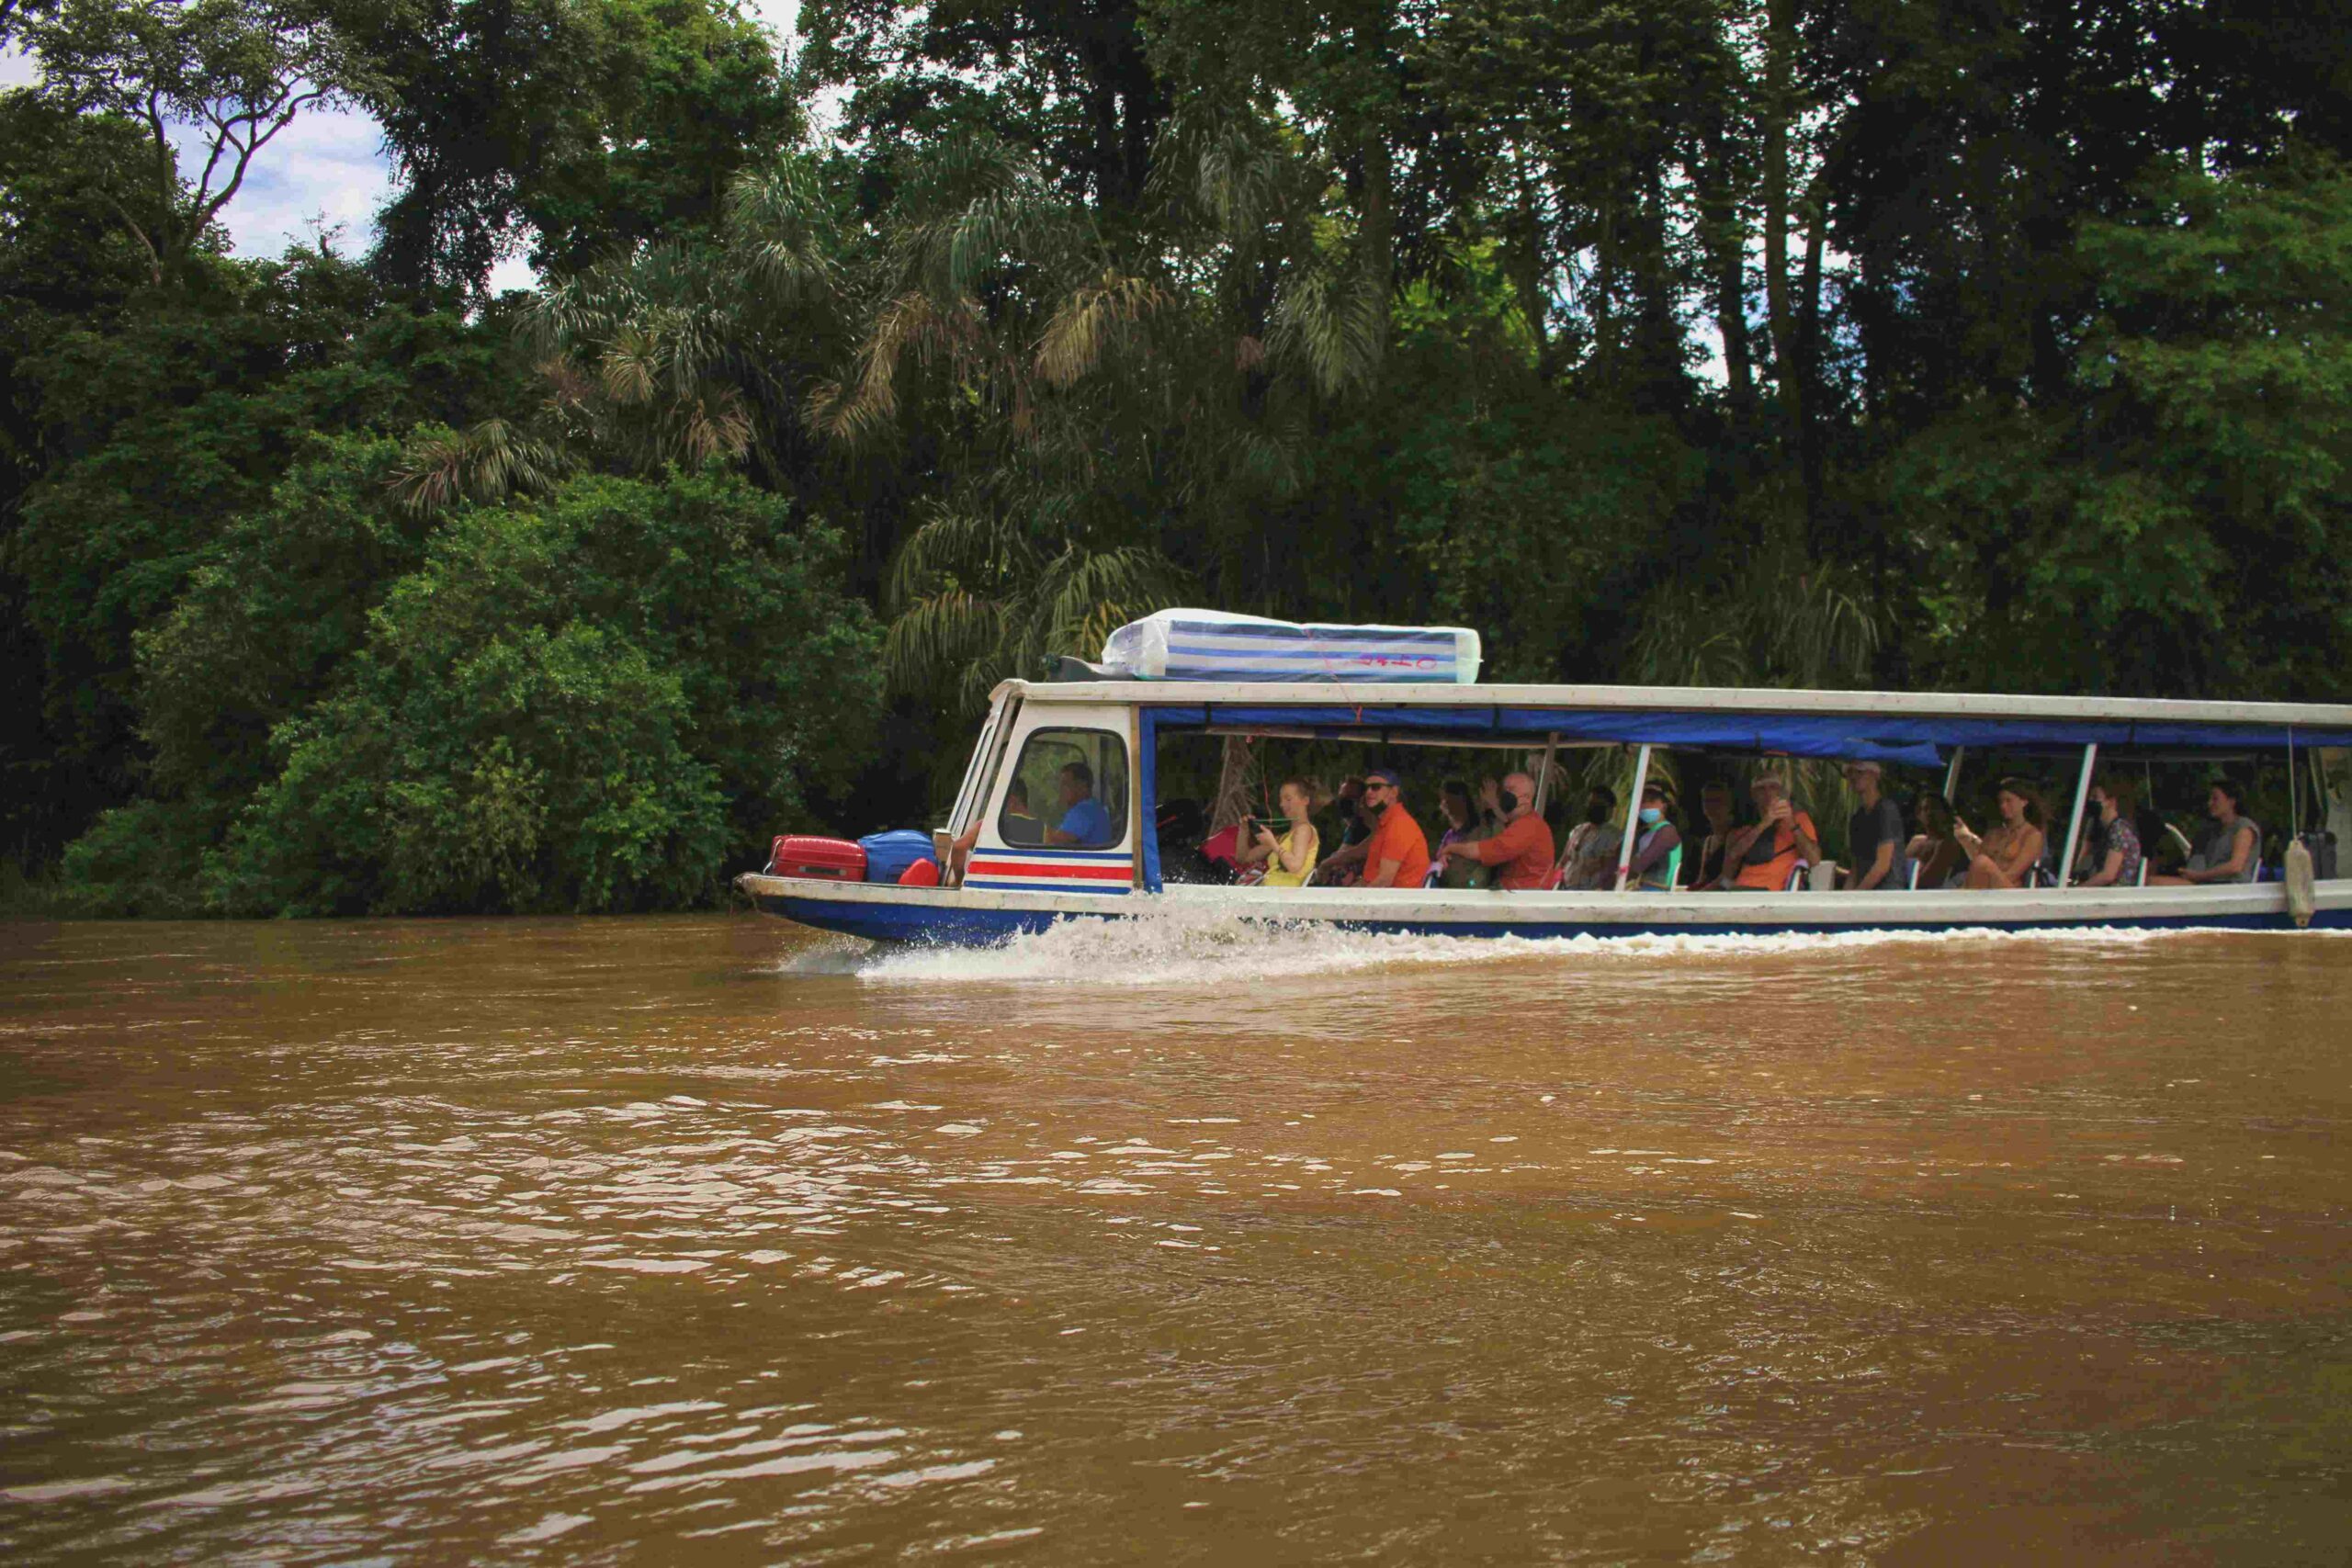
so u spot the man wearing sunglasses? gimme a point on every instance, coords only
(1398, 853)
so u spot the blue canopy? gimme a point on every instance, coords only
(1921, 742)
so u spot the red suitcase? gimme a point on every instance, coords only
(835, 860)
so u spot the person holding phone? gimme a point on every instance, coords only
(1760, 857)
(1289, 858)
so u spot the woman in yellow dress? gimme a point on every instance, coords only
(1289, 860)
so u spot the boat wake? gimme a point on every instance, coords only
(1198, 948)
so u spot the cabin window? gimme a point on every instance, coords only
(1068, 791)
(971, 800)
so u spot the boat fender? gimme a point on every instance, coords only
(2303, 893)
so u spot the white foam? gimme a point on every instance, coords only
(1196, 947)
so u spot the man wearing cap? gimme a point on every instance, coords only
(1397, 854)
(1874, 837)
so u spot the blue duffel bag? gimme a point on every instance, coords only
(888, 856)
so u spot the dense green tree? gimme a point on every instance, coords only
(580, 129)
(591, 702)
(161, 429)
(1068, 83)
(2181, 526)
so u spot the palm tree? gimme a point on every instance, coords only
(1114, 420)
(687, 354)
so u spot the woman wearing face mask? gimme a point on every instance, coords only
(2115, 862)
(1657, 844)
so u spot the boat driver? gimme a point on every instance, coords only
(1084, 822)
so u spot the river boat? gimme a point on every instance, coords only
(999, 878)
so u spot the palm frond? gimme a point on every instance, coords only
(969, 544)
(487, 462)
(1091, 594)
(1076, 337)
(781, 224)
(630, 366)
(1336, 325)
(937, 642)
(712, 426)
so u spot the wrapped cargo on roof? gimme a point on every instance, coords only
(1212, 645)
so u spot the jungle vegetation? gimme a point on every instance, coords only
(1987, 344)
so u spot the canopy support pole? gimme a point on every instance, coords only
(1633, 816)
(2074, 827)
(2294, 788)
(1952, 779)
(1543, 779)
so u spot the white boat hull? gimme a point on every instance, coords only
(979, 916)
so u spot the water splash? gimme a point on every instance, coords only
(1174, 945)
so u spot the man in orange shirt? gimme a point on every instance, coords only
(1523, 847)
(1397, 855)
(1762, 856)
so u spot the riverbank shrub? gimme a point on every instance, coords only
(587, 703)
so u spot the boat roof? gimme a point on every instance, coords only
(1893, 726)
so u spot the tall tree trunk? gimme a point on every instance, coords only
(1726, 242)
(1780, 109)
(1523, 257)
(1603, 291)
(1804, 364)
(1379, 213)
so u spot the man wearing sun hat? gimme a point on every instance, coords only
(1399, 852)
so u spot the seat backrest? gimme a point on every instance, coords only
(1911, 877)
(1800, 878)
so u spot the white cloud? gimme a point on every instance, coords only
(325, 170)
(512, 272)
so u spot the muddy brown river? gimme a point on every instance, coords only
(710, 1241)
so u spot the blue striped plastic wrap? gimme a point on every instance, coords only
(1208, 645)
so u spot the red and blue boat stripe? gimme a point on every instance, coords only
(1052, 871)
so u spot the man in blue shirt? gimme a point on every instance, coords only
(1084, 823)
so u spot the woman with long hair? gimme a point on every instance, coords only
(2232, 849)
(1936, 849)
(1465, 824)
(2006, 856)
(1289, 858)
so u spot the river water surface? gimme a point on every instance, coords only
(710, 1241)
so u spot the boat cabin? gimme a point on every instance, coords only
(1020, 773)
